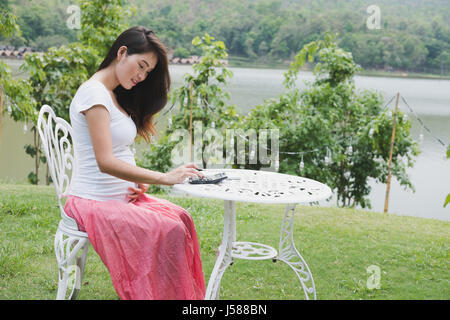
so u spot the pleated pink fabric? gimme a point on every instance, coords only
(150, 246)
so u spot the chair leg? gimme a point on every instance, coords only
(70, 264)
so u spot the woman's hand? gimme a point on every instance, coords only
(179, 174)
(142, 188)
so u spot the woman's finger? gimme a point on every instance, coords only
(196, 173)
(143, 187)
(191, 165)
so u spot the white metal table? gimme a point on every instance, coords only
(259, 187)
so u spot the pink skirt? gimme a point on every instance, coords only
(150, 246)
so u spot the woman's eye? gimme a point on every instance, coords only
(140, 66)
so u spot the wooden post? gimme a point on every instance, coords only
(36, 160)
(388, 186)
(1, 112)
(190, 124)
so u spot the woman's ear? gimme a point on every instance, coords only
(122, 52)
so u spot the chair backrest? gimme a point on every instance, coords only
(55, 134)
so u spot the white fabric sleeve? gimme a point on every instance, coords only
(92, 94)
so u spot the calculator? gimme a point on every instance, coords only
(216, 178)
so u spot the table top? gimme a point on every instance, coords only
(258, 186)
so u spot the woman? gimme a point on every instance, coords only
(149, 245)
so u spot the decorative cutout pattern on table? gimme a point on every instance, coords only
(260, 186)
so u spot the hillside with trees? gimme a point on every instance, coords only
(414, 35)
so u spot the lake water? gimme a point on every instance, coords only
(430, 99)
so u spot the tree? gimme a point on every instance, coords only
(204, 91)
(8, 21)
(15, 95)
(447, 199)
(331, 132)
(102, 21)
(285, 27)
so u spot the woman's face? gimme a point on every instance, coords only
(132, 69)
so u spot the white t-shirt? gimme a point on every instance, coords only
(89, 182)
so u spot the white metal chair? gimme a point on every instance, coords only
(71, 244)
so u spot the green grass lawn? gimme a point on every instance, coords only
(338, 245)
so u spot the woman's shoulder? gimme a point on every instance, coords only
(92, 84)
(89, 93)
(92, 87)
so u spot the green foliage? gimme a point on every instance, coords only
(102, 21)
(447, 200)
(181, 53)
(157, 158)
(208, 102)
(19, 101)
(8, 23)
(43, 43)
(55, 77)
(17, 93)
(413, 36)
(56, 74)
(18, 96)
(39, 22)
(331, 119)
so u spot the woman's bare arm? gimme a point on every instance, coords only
(98, 120)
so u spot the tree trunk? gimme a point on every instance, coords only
(47, 179)
(1, 112)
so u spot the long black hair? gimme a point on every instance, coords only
(148, 97)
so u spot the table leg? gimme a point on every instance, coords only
(224, 258)
(289, 254)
